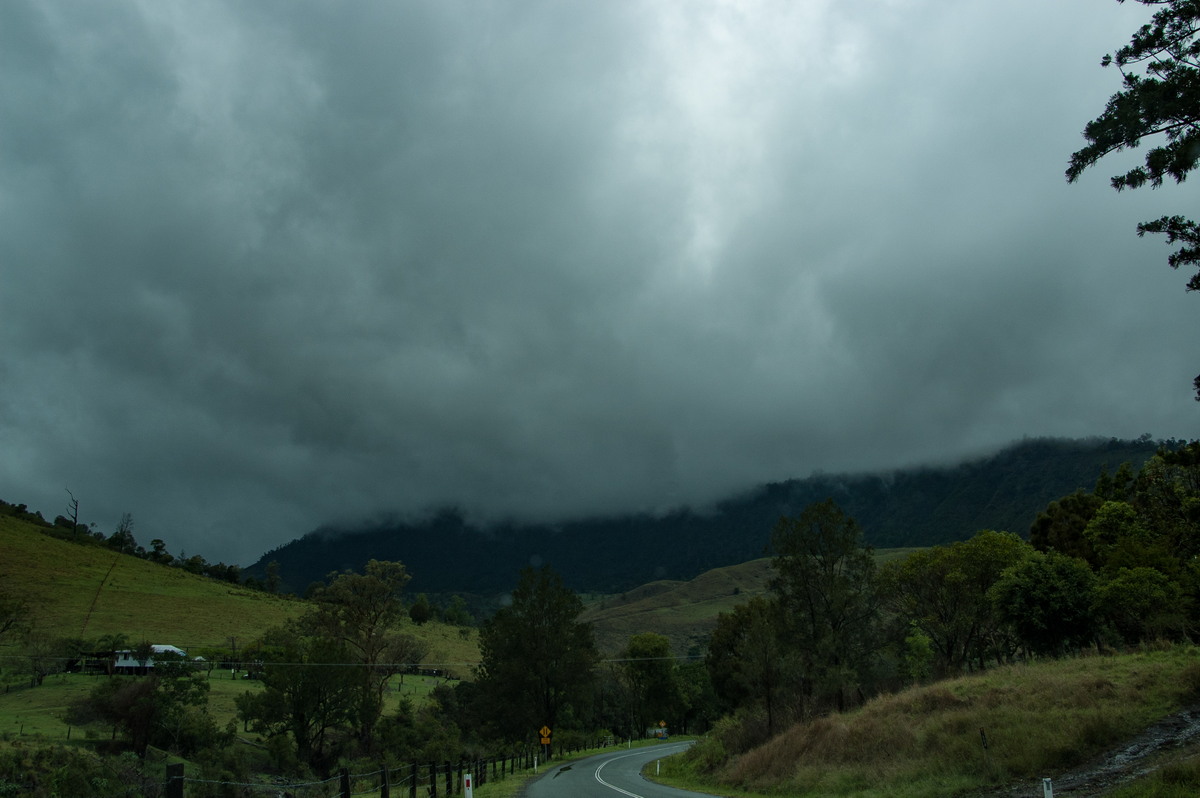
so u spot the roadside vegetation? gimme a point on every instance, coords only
(1022, 659)
(1014, 724)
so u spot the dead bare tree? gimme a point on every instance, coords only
(73, 509)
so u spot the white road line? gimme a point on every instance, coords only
(613, 786)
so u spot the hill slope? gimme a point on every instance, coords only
(685, 612)
(914, 507)
(89, 591)
(81, 591)
(1088, 723)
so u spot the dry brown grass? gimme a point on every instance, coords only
(1038, 720)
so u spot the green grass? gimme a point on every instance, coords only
(1179, 778)
(1040, 720)
(41, 711)
(84, 591)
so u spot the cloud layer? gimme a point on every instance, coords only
(268, 265)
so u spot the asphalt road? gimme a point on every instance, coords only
(610, 775)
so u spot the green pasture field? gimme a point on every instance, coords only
(86, 592)
(41, 711)
(452, 649)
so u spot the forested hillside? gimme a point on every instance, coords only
(913, 507)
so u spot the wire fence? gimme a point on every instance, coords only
(424, 779)
(412, 779)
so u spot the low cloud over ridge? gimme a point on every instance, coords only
(268, 265)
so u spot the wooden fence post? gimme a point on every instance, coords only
(345, 780)
(433, 780)
(174, 786)
(385, 782)
(412, 779)
(449, 779)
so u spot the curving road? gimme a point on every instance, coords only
(611, 775)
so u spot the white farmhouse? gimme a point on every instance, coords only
(127, 661)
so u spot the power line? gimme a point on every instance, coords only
(395, 665)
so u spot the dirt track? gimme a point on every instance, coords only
(1135, 758)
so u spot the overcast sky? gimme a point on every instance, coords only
(267, 265)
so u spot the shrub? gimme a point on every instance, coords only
(708, 755)
(53, 771)
(742, 731)
(1189, 681)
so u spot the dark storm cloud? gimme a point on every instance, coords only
(267, 265)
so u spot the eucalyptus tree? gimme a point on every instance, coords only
(1159, 99)
(538, 659)
(748, 660)
(651, 673)
(943, 591)
(362, 613)
(825, 583)
(310, 691)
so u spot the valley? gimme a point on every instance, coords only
(1119, 709)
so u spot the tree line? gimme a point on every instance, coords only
(70, 528)
(1106, 569)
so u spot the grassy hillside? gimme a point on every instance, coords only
(1087, 723)
(686, 612)
(89, 591)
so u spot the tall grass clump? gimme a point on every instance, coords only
(1173, 780)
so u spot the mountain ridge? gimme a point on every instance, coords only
(920, 506)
